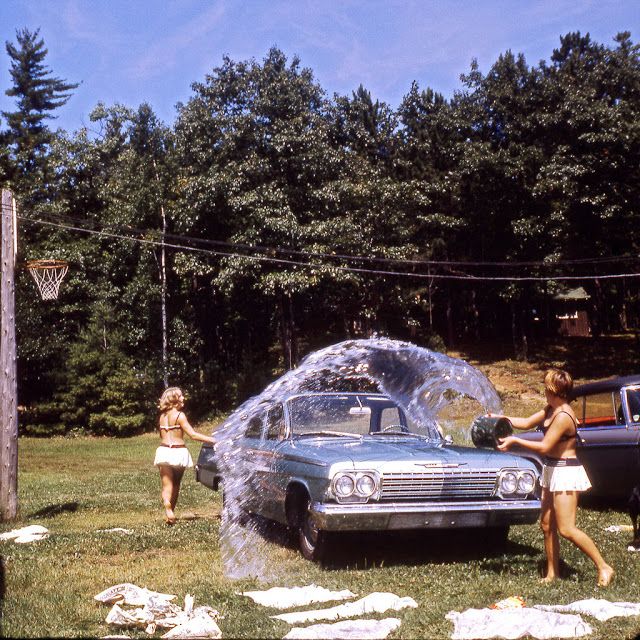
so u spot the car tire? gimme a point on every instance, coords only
(313, 542)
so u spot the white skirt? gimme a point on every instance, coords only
(173, 457)
(570, 477)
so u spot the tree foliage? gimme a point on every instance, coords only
(290, 220)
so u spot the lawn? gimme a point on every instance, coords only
(78, 486)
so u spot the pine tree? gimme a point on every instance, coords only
(37, 94)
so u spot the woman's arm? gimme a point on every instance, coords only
(561, 425)
(191, 432)
(525, 423)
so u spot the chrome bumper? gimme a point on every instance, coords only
(448, 515)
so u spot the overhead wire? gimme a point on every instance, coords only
(324, 266)
(335, 256)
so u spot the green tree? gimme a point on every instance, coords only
(37, 95)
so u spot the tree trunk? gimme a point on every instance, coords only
(8, 379)
(288, 333)
(163, 287)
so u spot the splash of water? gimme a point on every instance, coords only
(418, 380)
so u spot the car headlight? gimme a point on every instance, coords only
(526, 482)
(508, 483)
(355, 486)
(344, 486)
(514, 482)
(366, 485)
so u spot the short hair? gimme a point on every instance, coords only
(559, 382)
(169, 399)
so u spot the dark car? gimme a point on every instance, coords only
(327, 462)
(608, 413)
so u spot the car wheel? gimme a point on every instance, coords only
(313, 541)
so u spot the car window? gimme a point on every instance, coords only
(341, 414)
(354, 415)
(254, 428)
(389, 417)
(598, 410)
(275, 423)
(633, 402)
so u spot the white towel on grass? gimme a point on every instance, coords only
(287, 597)
(373, 603)
(31, 533)
(346, 630)
(479, 624)
(597, 607)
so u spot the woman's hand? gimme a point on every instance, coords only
(505, 443)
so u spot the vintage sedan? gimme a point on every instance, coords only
(328, 462)
(608, 413)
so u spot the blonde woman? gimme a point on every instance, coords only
(563, 477)
(172, 456)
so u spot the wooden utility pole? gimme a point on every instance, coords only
(8, 378)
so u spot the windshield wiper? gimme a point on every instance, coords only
(395, 433)
(328, 433)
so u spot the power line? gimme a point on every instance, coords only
(320, 266)
(65, 220)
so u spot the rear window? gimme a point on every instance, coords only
(599, 409)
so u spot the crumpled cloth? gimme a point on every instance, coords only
(347, 630)
(200, 625)
(476, 624)
(617, 528)
(159, 612)
(32, 533)
(131, 594)
(286, 597)
(597, 607)
(376, 602)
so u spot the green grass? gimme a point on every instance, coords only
(75, 487)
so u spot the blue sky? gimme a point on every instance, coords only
(134, 51)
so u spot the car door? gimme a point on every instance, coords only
(608, 445)
(272, 480)
(246, 466)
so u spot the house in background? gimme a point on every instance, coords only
(570, 312)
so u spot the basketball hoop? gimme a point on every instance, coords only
(48, 275)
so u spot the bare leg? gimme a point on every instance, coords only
(565, 505)
(177, 479)
(551, 542)
(166, 479)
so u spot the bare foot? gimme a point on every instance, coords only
(605, 576)
(548, 579)
(170, 517)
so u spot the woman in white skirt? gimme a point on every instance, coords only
(563, 476)
(172, 456)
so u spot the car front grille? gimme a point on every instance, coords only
(438, 484)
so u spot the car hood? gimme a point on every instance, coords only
(378, 450)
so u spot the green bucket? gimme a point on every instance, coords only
(486, 430)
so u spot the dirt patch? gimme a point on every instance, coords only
(586, 359)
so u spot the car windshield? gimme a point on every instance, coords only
(351, 415)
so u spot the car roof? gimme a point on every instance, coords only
(602, 386)
(341, 394)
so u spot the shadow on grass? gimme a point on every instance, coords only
(360, 550)
(55, 510)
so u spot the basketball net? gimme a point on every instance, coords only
(48, 274)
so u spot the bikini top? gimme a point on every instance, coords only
(565, 436)
(173, 426)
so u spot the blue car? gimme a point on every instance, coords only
(324, 463)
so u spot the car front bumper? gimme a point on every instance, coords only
(420, 515)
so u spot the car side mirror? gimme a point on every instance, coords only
(448, 439)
